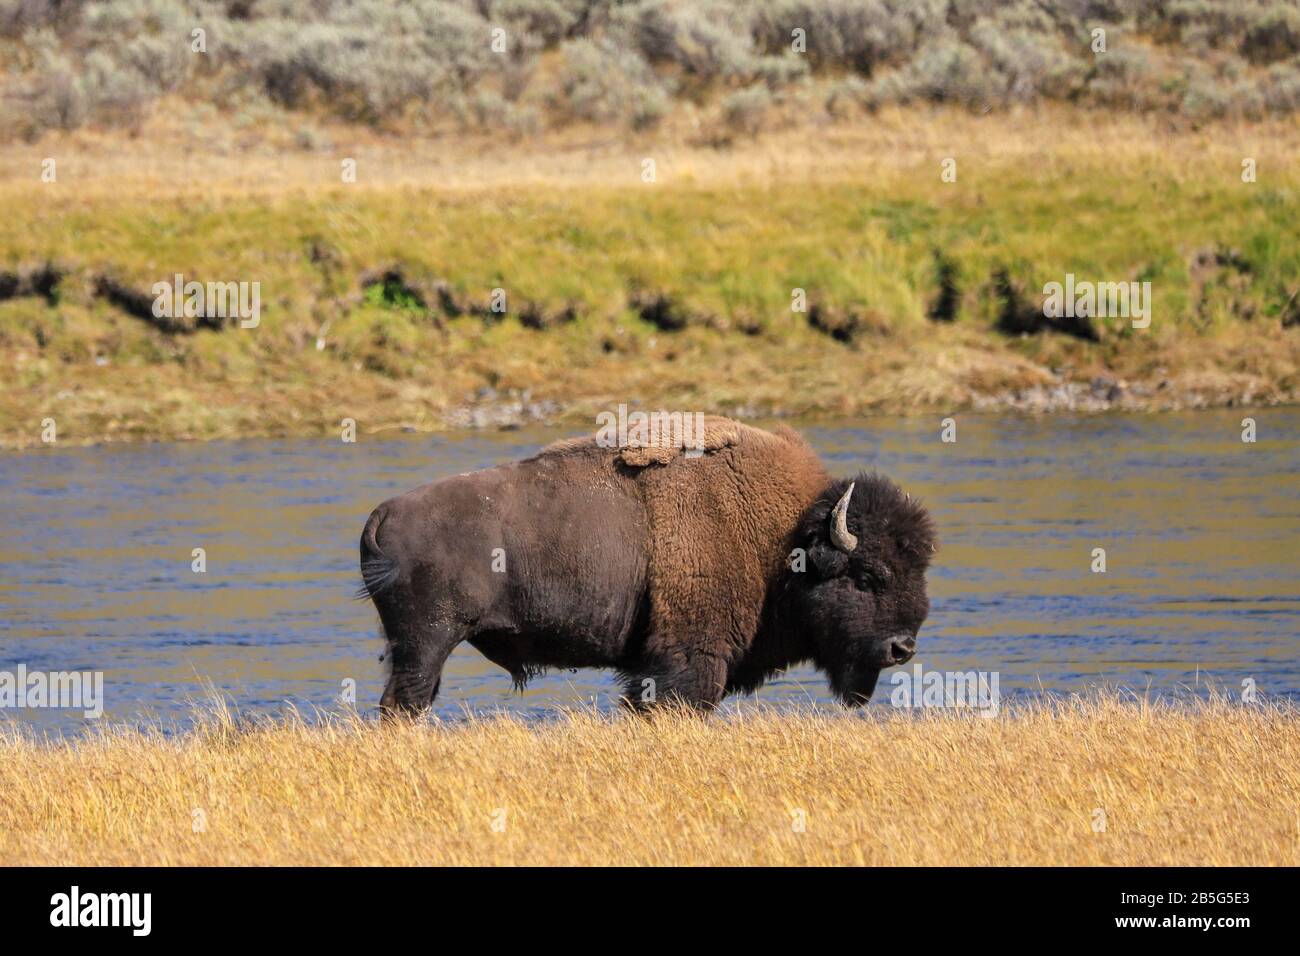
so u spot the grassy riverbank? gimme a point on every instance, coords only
(1098, 781)
(376, 296)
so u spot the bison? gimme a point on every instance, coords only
(691, 573)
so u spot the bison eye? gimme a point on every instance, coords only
(875, 576)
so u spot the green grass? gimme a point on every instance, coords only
(723, 252)
(727, 258)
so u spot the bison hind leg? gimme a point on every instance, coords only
(416, 655)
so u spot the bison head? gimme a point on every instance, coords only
(862, 599)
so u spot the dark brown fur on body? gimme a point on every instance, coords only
(692, 576)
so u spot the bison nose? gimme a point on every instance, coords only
(902, 647)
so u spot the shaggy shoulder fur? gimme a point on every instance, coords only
(720, 527)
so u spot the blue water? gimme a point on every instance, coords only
(1201, 532)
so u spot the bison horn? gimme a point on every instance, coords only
(839, 525)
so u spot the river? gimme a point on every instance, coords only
(1201, 533)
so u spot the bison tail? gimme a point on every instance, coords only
(378, 570)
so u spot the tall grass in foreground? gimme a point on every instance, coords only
(1096, 780)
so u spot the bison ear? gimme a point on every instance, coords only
(828, 561)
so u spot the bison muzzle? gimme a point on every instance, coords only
(692, 575)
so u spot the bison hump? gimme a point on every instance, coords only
(661, 445)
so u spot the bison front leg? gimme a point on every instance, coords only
(697, 681)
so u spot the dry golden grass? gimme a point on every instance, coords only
(182, 153)
(1198, 784)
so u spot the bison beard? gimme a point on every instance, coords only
(691, 576)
